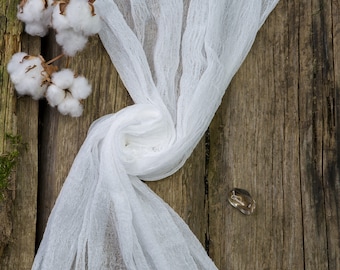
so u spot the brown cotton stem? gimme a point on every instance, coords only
(55, 59)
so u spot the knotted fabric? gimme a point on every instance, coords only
(176, 58)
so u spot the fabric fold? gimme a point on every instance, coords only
(176, 59)
(106, 218)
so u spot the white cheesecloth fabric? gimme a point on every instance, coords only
(176, 58)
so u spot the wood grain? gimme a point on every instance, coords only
(18, 117)
(277, 135)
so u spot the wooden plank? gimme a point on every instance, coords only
(7, 105)
(312, 86)
(277, 135)
(18, 117)
(328, 63)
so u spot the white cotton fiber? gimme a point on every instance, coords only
(14, 63)
(32, 87)
(31, 11)
(27, 75)
(63, 78)
(71, 41)
(70, 106)
(47, 14)
(74, 24)
(81, 17)
(36, 16)
(36, 29)
(80, 88)
(54, 95)
(59, 20)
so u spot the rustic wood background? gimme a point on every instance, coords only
(276, 134)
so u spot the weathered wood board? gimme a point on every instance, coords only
(276, 134)
(17, 117)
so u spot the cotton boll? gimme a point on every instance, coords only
(54, 95)
(36, 14)
(81, 17)
(73, 23)
(27, 75)
(63, 78)
(80, 88)
(71, 41)
(70, 106)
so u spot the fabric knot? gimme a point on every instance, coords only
(143, 133)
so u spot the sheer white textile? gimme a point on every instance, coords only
(176, 58)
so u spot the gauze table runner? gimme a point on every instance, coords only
(176, 58)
